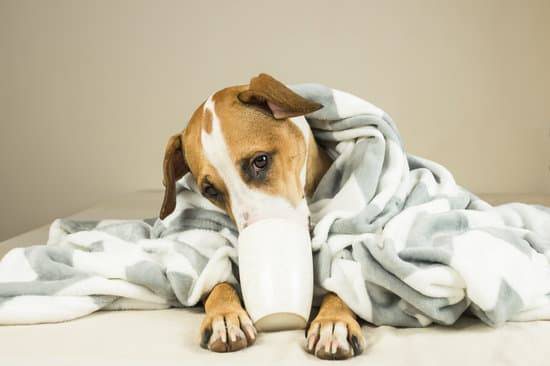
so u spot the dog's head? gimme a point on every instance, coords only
(250, 151)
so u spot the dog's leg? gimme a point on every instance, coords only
(335, 334)
(226, 326)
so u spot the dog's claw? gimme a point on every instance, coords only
(248, 327)
(205, 337)
(335, 339)
(313, 336)
(357, 349)
(227, 332)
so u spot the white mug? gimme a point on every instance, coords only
(276, 274)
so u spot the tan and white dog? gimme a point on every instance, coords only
(253, 155)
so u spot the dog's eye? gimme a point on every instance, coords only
(261, 161)
(211, 192)
(257, 167)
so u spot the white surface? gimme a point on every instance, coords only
(171, 337)
(276, 273)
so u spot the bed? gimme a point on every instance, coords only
(171, 336)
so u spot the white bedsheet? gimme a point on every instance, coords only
(467, 343)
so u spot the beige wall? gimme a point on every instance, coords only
(90, 91)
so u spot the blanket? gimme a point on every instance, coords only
(393, 235)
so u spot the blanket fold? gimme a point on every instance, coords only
(393, 235)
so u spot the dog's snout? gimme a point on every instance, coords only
(245, 220)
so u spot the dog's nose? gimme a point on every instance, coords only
(244, 220)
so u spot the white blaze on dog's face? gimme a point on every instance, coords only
(248, 151)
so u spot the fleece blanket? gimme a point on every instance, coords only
(393, 235)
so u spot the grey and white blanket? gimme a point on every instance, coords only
(394, 236)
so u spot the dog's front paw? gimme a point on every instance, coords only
(335, 337)
(227, 331)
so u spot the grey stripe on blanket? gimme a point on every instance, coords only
(394, 236)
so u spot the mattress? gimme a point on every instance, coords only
(170, 337)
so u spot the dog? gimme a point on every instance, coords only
(252, 153)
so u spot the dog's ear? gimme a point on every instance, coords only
(274, 97)
(174, 167)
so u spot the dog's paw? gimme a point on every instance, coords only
(227, 331)
(335, 338)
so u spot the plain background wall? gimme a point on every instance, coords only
(91, 90)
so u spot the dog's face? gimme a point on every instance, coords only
(247, 148)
